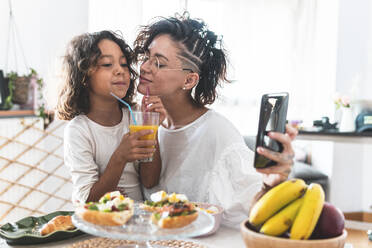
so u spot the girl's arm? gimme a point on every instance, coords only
(109, 180)
(129, 150)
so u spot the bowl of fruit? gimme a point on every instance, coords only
(294, 215)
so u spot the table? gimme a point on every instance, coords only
(224, 237)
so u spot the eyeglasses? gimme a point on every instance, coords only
(155, 65)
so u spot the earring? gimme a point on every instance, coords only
(184, 87)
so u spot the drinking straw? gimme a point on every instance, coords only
(147, 97)
(147, 92)
(126, 104)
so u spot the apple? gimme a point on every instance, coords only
(330, 224)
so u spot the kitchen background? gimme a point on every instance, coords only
(311, 49)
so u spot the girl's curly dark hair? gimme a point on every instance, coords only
(199, 47)
(80, 59)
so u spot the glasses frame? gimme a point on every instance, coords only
(155, 63)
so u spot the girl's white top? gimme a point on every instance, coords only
(88, 148)
(209, 161)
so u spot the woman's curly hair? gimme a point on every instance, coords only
(79, 61)
(199, 48)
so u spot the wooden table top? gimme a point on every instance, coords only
(358, 238)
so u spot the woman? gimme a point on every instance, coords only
(202, 154)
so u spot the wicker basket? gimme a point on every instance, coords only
(20, 92)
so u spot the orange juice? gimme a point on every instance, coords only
(136, 128)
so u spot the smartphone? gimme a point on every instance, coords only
(273, 116)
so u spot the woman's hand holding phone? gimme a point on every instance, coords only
(276, 174)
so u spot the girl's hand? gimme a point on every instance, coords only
(279, 173)
(154, 104)
(131, 148)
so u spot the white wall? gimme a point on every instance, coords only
(352, 162)
(367, 184)
(368, 85)
(354, 46)
(44, 28)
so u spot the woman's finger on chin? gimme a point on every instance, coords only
(152, 99)
(154, 106)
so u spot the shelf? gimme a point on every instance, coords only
(16, 113)
(336, 133)
(347, 137)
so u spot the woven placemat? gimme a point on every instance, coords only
(114, 243)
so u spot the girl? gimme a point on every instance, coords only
(97, 146)
(202, 154)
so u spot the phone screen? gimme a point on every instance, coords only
(273, 116)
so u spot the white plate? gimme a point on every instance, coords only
(140, 228)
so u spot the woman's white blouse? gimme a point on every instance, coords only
(209, 162)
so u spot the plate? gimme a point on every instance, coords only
(216, 215)
(26, 230)
(140, 228)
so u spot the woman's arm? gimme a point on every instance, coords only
(150, 172)
(265, 188)
(234, 183)
(279, 173)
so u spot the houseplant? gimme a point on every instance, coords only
(17, 90)
(26, 90)
(347, 122)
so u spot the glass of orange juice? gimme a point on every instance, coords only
(144, 121)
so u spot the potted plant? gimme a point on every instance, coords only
(16, 90)
(21, 85)
(347, 122)
(27, 91)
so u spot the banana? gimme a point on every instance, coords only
(282, 221)
(309, 212)
(275, 199)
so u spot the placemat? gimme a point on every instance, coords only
(114, 243)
